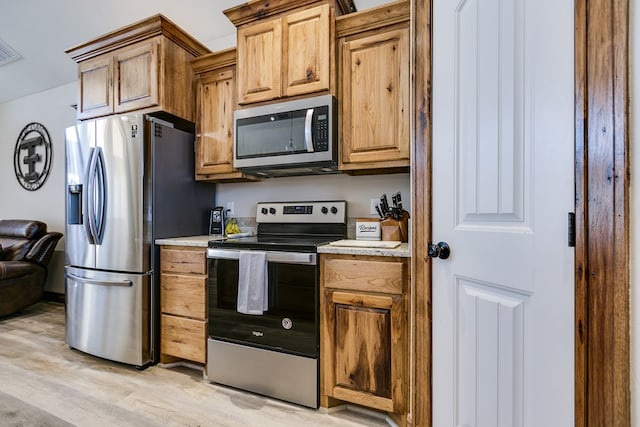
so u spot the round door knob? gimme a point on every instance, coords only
(440, 250)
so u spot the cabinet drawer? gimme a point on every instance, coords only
(363, 275)
(183, 260)
(183, 295)
(184, 338)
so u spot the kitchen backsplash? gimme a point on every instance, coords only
(356, 190)
(248, 224)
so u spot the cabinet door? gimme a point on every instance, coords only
(183, 260)
(306, 38)
(183, 338)
(136, 77)
(259, 61)
(96, 96)
(375, 100)
(183, 295)
(365, 349)
(214, 136)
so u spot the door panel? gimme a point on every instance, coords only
(95, 87)
(136, 77)
(259, 62)
(376, 96)
(214, 145)
(502, 187)
(368, 332)
(493, 321)
(107, 314)
(306, 37)
(80, 141)
(122, 142)
(491, 134)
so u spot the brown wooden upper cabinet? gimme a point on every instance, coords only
(373, 47)
(285, 48)
(144, 66)
(215, 78)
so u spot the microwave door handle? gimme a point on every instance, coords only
(308, 137)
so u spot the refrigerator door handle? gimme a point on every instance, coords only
(125, 283)
(101, 175)
(90, 202)
(97, 196)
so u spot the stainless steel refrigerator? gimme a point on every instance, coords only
(130, 180)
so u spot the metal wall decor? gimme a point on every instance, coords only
(32, 156)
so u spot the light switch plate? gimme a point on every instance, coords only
(374, 203)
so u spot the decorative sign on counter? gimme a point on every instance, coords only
(32, 156)
(367, 229)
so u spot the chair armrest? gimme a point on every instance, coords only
(17, 269)
(42, 251)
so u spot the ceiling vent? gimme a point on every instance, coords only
(7, 54)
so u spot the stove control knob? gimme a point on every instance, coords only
(272, 211)
(287, 323)
(334, 210)
(264, 211)
(324, 210)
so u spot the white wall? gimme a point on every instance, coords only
(357, 190)
(51, 108)
(634, 211)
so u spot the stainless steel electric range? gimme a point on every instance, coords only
(275, 351)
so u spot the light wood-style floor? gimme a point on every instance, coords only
(38, 368)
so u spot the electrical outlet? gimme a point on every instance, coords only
(372, 208)
(230, 208)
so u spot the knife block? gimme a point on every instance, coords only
(395, 229)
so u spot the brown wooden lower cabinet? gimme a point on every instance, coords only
(183, 296)
(183, 338)
(364, 335)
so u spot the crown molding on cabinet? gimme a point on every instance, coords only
(141, 30)
(261, 9)
(220, 59)
(377, 17)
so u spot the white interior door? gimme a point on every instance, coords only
(503, 302)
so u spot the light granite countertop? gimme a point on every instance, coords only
(400, 251)
(203, 242)
(198, 241)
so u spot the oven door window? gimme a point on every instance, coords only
(291, 322)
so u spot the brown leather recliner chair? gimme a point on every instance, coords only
(25, 250)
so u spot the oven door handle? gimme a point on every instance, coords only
(272, 256)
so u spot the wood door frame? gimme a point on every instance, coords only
(421, 212)
(602, 342)
(602, 365)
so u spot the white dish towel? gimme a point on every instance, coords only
(253, 284)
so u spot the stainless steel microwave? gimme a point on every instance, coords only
(288, 138)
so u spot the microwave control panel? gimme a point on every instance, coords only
(321, 140)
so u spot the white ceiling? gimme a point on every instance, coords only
(41, 30)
